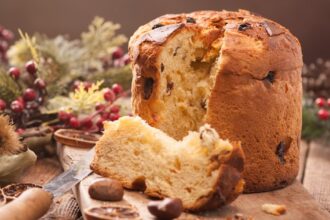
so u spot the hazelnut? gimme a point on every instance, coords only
(139, 184)
(106, 190)
(166, 209)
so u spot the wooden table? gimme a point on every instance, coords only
(314, 174)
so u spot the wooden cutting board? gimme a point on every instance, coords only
(300, 204)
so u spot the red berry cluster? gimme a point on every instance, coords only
(5, 36)
(103, 111)
(117, 59)
(28, 103)
(323, 104)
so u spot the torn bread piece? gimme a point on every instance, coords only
(202, 170)
(274, 209)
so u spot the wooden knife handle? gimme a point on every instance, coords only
(31, 205)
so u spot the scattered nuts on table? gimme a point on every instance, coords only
(106, 189)
(273, 209)
(166, 209)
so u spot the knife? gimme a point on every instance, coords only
(35, 202)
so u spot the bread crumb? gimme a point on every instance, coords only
(239, 216)
(273, 209)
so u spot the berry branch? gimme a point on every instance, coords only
(5, 37)
(108, 109)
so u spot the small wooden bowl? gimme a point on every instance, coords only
(76, 138)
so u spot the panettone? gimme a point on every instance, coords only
(238, 72)
(202, 170)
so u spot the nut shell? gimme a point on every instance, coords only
(13, 191)
(166, 209)
(112, 212)
(106, 190)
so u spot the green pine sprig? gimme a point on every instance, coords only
(101, 38)
(312, 127)
(9, 90)
(121, 75)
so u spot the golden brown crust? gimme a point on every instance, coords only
(243, 106)
(267, 113)
(230, 183)
(147, 70)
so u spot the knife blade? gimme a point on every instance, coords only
(66, 180)
(35, 202)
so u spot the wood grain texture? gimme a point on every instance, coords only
(299, 202)
(317, 173)
(42, 172)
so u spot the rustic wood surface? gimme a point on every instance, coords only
(299, 202)
(42, 172)
(314, 174)
(317, 173)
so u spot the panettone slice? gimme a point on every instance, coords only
(202, 170)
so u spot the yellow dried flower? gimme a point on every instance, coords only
(81, 100)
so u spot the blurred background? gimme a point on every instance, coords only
(46, 78)
(308, 20)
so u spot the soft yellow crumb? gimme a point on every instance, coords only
(273, 209)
